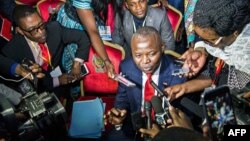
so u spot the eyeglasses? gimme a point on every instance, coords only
(218, 41)
(36, 30)
(214, 43)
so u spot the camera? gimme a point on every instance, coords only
(38, 117)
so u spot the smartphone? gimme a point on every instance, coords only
(218, 108)
(84, 70)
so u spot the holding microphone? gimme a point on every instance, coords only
(179, 119)
(148, 112)
(161, 94)
(160, 114)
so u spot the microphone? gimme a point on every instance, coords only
(192, 107)
(160, 113)
(148, 111)
(161, 94)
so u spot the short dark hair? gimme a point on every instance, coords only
(21, 11)
(223, 16)
(147, 31)
(178, 134)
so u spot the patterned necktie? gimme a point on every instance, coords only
(45, 56)
(149, 90)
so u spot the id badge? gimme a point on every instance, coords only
(56, 72)
(105, 33)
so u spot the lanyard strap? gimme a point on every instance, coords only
(217, 71)
(43, 58)
(143, 24)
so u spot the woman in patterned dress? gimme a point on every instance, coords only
(86, 15)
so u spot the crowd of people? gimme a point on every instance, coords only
(217, 32)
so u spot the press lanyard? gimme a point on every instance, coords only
(44, 59)
(143, 24)
(217, 72)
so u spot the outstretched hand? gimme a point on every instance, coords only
(151, 132)
(194, 60)
(179, 119)
(174, 92)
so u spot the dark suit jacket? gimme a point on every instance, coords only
(130, 98)
(57, 37)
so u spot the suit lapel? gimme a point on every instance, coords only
(49, 45)
(27, 50)
(165, 73)
(136, 77)
(129, 25)
(149, 19)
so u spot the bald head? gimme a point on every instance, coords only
(148, 32)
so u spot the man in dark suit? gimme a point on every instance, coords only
(43, 43)
(147, 60)
(20, 70)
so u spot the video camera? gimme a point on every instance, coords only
(38, 117)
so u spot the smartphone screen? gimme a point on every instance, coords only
(219, 111)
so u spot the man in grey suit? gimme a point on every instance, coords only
(139, 14)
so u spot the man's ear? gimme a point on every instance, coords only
(19, 30)
(126, 5)
(162, 47)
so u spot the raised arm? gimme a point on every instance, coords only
(88, 20)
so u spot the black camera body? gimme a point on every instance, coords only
(43, 116)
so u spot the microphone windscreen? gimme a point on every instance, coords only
(192, 107)
(157, 104)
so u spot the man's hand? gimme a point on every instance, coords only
(194, 60)
(185, 55)
(110, 69)
(115, 116)
(174, 92)
(76, 70)
(66, 79)
(34, 68)
(151, 132)
(179, 119)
